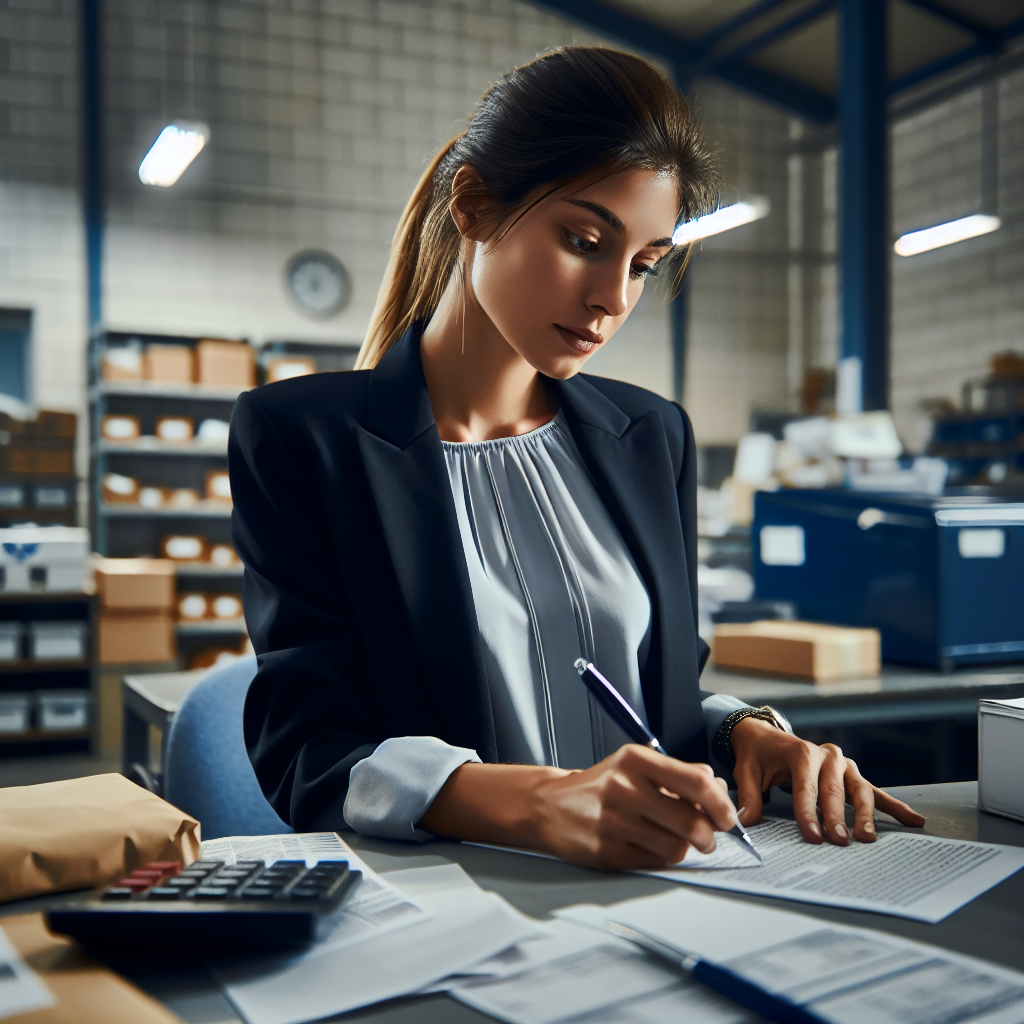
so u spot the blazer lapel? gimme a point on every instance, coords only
(632, 471)
(407, 474)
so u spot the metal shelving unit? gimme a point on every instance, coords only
(29, 675)
(129, 530)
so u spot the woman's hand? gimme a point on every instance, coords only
(821, 776)
(634, 809)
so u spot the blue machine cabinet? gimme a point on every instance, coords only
(942, 579)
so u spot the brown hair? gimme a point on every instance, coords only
(571, 112)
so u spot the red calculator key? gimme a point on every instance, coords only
(135, 884)
(165, 867)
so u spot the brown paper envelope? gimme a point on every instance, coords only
(86, 991)
(86, 832)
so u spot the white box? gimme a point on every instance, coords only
(43, 559)
(10, 640)
(1001, 757)
(14, 713)
(61, 710)
(57, 641)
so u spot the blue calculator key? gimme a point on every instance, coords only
(212, 892)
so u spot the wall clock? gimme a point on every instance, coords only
(317, 283)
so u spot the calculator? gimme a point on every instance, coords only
(209, 907)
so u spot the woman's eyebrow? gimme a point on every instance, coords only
(609, 218)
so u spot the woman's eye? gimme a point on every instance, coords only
(580, 245)
(642, 271)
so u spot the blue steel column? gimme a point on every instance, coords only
(865, 246)
(92, 159)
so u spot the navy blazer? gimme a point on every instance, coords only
(356, 590)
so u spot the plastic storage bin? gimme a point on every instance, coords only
(942, 579)
(62, 710)
(15, 711)
(43, 559)
(10, 640)
(57, 641)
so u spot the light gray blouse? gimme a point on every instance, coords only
(552, 581)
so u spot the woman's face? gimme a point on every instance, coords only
(563, 280)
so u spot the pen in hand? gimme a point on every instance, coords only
(620, 711)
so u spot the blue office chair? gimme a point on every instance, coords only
(207, 772)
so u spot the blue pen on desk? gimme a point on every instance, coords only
(723, 981)
(632, 725)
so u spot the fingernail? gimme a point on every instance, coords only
(814, 830)
(840, 830)
(869, 826)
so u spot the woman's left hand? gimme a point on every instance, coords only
(821, 776)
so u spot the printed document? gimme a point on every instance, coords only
(589, 977)
(21, 989)
(373, 906)
(903, 874)
(461, 926)
(840, 974)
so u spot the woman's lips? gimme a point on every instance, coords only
(580, 338)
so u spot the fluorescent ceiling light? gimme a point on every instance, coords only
(175, 148)
(946, 234)
(722, 220)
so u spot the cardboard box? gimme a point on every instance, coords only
(174, 428)
(122, 362)
(34, 457)
(172, 364)
(286, 367)
(55, 424)
(800, 650)
(184, 547)
(118, 489)
(225, 364)
(136, 584)
(1001, 757)
(125, 637)
(218, 485)
(118, 427)
(193, 607)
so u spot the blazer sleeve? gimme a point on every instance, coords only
(307, 717)
(686, 488)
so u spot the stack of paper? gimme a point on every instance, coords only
(838, 974)
(389, 938)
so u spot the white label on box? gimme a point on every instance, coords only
(981, 543)
(782, 545)
(52, 647)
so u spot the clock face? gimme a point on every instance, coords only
(317, 283)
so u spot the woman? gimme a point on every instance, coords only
(432, 541)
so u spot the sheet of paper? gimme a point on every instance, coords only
(21, 989)
(372, 906)
(921, 877)
(845, 975)
(463, 925)
(586, 976)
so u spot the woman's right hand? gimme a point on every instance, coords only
(634, 809)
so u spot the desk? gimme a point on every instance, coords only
(992, 926)
(151, 700)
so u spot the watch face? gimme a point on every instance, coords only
(317, 283)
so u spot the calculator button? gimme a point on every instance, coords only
(305, 892)
(163, 892)
(257, 892)
(167, 867)
(117, 893)
(212, 892)
(181, 883)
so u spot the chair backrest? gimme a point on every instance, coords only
(207, 770)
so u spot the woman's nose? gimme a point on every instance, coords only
(609, 293)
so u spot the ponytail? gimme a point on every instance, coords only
(416, 273)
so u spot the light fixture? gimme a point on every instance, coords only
(725, 219)
(175, 148)
(952, 231)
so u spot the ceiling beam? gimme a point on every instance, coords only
(704, 43)
(769, 36)
(682, 54)
(989, 37)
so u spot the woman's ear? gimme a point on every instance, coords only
(468, 203)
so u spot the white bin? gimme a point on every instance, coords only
(14, 713)
(43, 559)
(57, 641)
(62, 710)
(10, 640)
(1001, 757)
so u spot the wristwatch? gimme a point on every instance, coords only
(722, 745)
